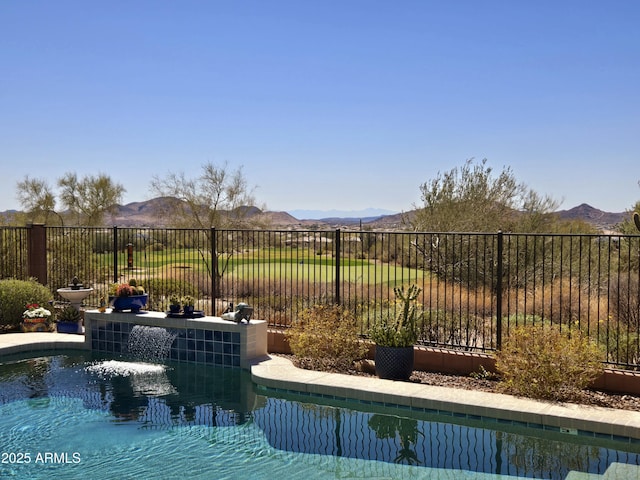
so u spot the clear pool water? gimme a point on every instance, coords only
(72, 416)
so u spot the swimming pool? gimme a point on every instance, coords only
(74, 415)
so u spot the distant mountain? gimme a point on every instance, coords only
(598, 218)
(367, 213)
(140, 213)
(148, 213)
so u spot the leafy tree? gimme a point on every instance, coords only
(631, 225)
(91, 197)
(472, 199)
(37, 199)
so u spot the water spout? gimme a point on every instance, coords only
(150, 344)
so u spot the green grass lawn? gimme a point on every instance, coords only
(275, 264)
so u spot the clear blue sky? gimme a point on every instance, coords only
(343, 104)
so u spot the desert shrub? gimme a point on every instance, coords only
(558, 301)
(622, 347)
(326, 337)
(546, 363)
(625, 299)
(160, 289)
(156, 247)
(441, 327)
(14, 297)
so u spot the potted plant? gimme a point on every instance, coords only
(69, 320)
(188, 304)
(127, 296)
(174, 304)
(395, 336)
(36, 319)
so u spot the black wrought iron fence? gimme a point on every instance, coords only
(475, 286)
(13, 252)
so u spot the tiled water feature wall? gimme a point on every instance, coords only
(207, 340)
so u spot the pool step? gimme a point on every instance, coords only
(622, 471)
(615, 471)
(575, 475)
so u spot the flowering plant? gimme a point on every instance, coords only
(126, 289)
(36, 311)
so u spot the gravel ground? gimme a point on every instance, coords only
(587, 397)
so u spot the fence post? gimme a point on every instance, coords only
(214, 271)
(337, 276)
(499, 268)
(37, 252)
(116, 278)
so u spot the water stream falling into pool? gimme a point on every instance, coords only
(148, 347)
(150, 344)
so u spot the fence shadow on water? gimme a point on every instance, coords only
(475, 286)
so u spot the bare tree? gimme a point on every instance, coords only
(218, 197)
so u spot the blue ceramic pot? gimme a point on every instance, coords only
(69, 327)
(133, 303)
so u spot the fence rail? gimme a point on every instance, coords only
(475, 286)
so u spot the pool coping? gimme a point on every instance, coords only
(12, 343)
(279, 374)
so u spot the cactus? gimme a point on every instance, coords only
(69, 314)
(401, 331)
(188, 301)
(407, 316)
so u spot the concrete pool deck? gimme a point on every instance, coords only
(279, 374)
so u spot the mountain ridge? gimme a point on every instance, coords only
(145, 213)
